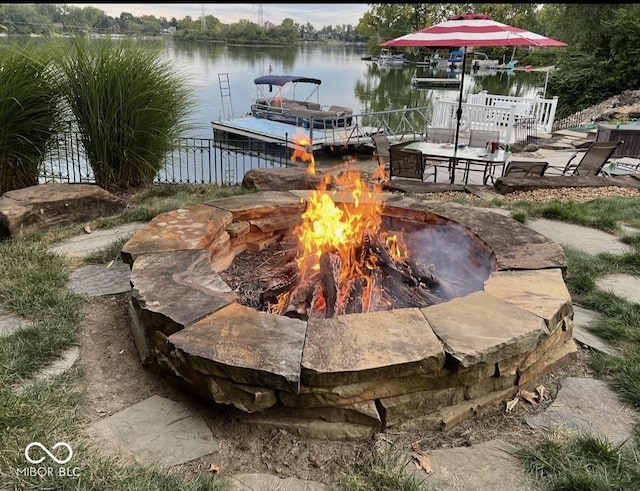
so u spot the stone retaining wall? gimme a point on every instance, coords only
(352, 375)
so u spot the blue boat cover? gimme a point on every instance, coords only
(281, 80)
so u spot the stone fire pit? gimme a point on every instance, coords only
(351, 375)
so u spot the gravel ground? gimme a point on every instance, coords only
(580, 195)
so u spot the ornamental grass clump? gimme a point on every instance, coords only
(29, 114)
(128, 105)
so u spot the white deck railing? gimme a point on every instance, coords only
(507, 114)
(475, 117)
(541, 111)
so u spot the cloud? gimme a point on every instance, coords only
(318, 14)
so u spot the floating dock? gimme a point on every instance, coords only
(439, 82)
(262, 137)
(274, 135)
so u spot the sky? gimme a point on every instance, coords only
(318, 14)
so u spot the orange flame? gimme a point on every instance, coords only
(341, 230)
(380, 173)
(300, 152)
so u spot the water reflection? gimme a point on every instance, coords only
(347, 80)
(385, 88)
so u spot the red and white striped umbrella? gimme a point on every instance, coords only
(468, 30)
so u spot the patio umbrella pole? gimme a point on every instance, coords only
(454, 161)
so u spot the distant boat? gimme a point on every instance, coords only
(433, 60)
(454, 62)
(386, 58)
(482, 61)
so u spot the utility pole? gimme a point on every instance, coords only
(203, 20)
(260, 17)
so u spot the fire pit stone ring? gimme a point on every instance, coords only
(352, 375)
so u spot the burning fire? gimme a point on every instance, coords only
(341, 231)
(301, 153)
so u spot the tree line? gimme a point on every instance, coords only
(601, 59)
(45, 19)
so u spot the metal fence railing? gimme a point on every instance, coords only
(227, 157)
(193, 161)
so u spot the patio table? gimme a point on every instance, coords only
(470, 155)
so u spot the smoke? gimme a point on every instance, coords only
(460, 260)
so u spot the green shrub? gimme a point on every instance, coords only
(129, 106)
(29, 116)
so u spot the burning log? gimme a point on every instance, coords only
(301, 299)
(329, 276)
(404, 297)
(387, 283)
(279, 281)
(433, 282)
(354, 296)
(405, 274)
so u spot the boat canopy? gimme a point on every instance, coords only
(281, 80)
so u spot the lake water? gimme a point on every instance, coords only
(347, 80)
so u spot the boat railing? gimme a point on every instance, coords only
(397, 124)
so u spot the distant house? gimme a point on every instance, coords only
(169, 30)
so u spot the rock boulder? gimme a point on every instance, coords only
(44, 206)
(280, 179)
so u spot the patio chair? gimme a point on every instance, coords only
(479, 139)
(592, 161)
(408, 163)
(381, 148)
(441, 135)
(523, 168)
